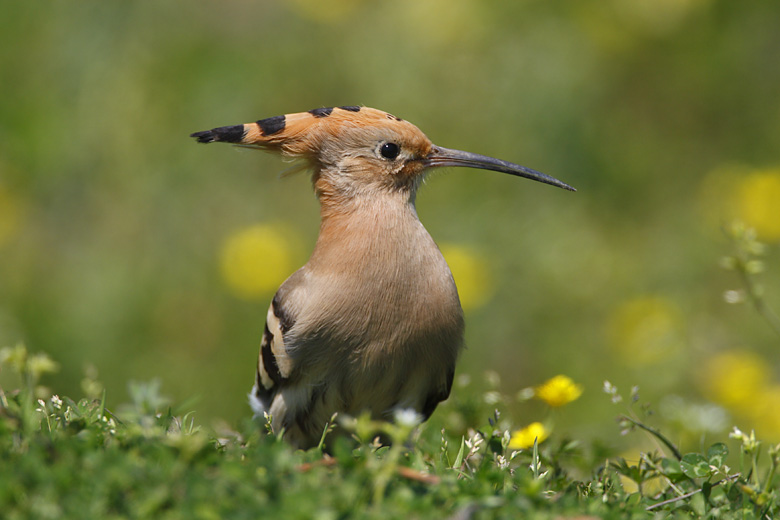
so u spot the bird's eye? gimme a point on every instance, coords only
(390, 150)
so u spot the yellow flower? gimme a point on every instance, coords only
(255, 260)
(471, 272)
(751, 196)
(741, 381)
(764, 413)
(522, 439)
(646, 330)
(758, 203)
(558, 391)
(736, 379)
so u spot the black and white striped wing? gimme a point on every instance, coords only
(274, 366)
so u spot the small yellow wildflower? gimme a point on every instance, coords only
(759, 203)
(558, 391)
(522, 439)
(735, 379)
(471, 273)
(256, 260)
(752, 196)
(764, 413)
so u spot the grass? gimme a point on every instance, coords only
(67, 458)
(63, 458)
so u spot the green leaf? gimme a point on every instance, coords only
(717, 454)
(706, 489)
(698, 504)
(671, 468)
(459, 459)
(695, 465)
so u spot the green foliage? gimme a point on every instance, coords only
(703, 485)
(77, 459)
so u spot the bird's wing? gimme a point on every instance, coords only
(274, 366)
(288, 389)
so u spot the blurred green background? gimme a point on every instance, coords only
(126, 247)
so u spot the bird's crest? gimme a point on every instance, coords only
(298, 133)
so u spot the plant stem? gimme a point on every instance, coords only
(658, 435)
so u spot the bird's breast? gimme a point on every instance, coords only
(386, 291)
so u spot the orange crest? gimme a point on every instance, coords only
(299, 133)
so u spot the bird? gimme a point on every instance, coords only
(372, 323)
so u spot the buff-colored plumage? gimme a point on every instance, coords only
(372, 322)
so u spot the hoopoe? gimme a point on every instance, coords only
(372, 322)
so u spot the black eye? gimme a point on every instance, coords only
(390, 150)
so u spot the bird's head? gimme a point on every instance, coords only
(359, 150)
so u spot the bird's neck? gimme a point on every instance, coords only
(381, 230)
(366, 216)
(345, 194)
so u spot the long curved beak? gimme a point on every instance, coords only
(441, 156)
